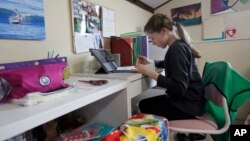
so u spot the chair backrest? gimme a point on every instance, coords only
(234, 89)
(214, 95)
(203, 123)
(234, 86)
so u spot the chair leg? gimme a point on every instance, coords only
(190, 137)
(182, 137)
(196, 137)
(172, 136)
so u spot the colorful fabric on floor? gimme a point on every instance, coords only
(141, 127)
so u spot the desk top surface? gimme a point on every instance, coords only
(124, 76)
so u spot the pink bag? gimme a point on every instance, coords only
(41, 78)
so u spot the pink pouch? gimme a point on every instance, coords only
(41, 78)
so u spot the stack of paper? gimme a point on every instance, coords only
(38, 97)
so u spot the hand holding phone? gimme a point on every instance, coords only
(142, 60)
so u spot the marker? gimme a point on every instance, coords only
(48, 55)
(52, 54)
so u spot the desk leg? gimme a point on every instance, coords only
(136, 88)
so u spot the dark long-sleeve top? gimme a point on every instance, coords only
(182, 80)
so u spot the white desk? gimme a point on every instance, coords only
(137, 84)
(98, 104)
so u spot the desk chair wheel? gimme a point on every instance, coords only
(196, 137)
(182, 137)
(191, 137)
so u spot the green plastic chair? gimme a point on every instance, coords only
(234, 87)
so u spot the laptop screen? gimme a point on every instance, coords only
(105, 59)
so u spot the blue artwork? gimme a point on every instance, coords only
(22, 19)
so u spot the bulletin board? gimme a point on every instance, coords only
(230, 26)
(88, 26)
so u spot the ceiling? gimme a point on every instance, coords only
(154, 3)
(149, 5)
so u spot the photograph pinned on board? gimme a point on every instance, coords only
(22, 19)
(187, 15)
(79, 25)
(98, 41)
(93, 25)
(86, 17)
(227, 6)
(86, 25)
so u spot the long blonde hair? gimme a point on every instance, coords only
(159, 21)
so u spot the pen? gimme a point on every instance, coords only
(94, 82)
(57, 55)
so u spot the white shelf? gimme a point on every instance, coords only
(137, 84)
(221, 40)
(15, 119)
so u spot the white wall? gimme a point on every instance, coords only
(236, 52)
(59, 32)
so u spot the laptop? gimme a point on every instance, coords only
(108, 64)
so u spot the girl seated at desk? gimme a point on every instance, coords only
(185, 92)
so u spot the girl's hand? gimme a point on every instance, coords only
(142, 60)
(144, 69)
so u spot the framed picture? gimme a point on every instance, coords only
(22, 19)
(187, 15)
(227, 6)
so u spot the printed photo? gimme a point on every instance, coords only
(93, 25)
(86, 17)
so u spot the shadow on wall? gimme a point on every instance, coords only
(147, 94)
(243, 112)
(247, 74)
